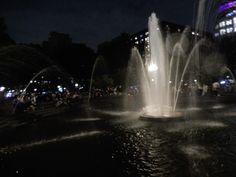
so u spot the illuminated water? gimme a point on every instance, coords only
(107, 143)
(168, 64)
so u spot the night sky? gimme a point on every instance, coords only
(88, 21)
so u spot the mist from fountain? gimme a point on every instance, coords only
(162, 72)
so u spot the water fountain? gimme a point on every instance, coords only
(162, 75)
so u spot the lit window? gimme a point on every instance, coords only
(222, 31)
(229, 14)
(229, 30)
(229, 22)
(234, 19)
(222, 24)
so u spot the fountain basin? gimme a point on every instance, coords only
(165, 117)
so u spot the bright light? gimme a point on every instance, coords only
(2, 89)
(195, 80)
(35, 90)
(76, 85)
(222, 82)
(60, 89)
(8, 95)
(152, 68)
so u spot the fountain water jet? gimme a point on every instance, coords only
(161, 75)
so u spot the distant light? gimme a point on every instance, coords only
(35, 90)
(227, 77)
(31, 81)
(35, 81)
(81, 88)
(195, 80)
(170, 82)
(43, 93)
(153, 80)
(9, 95)
(2, 89)
(193, 33)
(60, 89)
(76, 85)
(222, 82)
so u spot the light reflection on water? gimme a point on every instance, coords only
(196, 147)
(10, 149)
(195, 152)
(86, 119)
(195, 124)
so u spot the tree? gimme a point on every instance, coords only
(76, 59)
(116, 52)
(5, 39)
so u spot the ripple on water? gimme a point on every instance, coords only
(194, 124)
(195, 152)
(86, 119)
(11, 149)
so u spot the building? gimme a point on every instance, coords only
(225, 31)
(141, 39)
(226, 19)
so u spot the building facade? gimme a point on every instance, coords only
(141, 39)
(226, 19)
(225, 31)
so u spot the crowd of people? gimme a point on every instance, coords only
(34, 101)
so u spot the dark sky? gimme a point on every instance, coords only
(88, 21)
